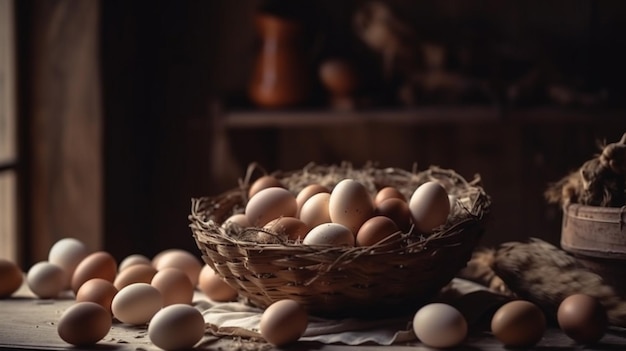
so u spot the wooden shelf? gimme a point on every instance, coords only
(431, 115)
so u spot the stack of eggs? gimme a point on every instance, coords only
(347, 215)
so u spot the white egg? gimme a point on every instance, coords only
(136, 303)
(314, 211)
(350, 204)
(67, 253)
(46, 280)
(440, 325)
(429, 206)
(330, 234)
(176, 327)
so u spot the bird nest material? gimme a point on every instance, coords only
(389, 278)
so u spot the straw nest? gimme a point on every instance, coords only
(389, 278)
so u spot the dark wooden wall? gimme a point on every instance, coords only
(162, 65)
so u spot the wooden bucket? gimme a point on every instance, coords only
(597, 237)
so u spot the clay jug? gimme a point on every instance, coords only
(281, 74)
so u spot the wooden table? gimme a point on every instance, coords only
(30, 323)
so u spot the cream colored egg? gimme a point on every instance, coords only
(315, 210)
(440, 325)
(430, 206)
(269, 204)
(176, 327)
(46, 280)
(136, 303)
(329, 234)
(350, 204)
(67, 253)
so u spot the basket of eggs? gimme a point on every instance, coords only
(342, 241)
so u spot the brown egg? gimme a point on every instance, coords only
(214, 287)
(84, 323)
(11, 278)
(97, 290)
(133, 260)
(288, 227)
(139, 273)
(307, 192)
(99, 264)
(388, 192)
(174, 285)
(583, 318)
(374, 230)
(283, 322)
(269, 204)
(183, 260)
(518, 323)
(264, 182)
(315, 210)
(397, 210)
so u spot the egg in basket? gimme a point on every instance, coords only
(342, 241)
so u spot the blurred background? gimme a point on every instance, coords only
(114, 114)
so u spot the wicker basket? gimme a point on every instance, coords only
(339, 281)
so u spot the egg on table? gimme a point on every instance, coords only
(518, 323)
(11, 278)
(46, 280)
(99, 264)
(84, 323)
(283, 322)
(67, 253)
(174, 285)
(176, 327)
(583, 318)
(440, 325)
(97, 290)
(136, 303)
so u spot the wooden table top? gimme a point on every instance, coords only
(27, 322)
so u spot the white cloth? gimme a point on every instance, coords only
(234, 318)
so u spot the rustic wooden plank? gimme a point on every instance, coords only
(8, 135)
(65, 133)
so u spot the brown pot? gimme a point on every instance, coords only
(280, 77)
